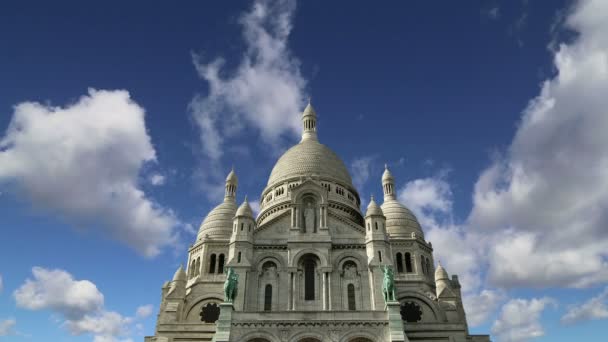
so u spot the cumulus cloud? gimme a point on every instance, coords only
(479, 306)
(546, 199)
(264, 94)
(156, 179)
(7, 326)
(594, 308)
(519, 319)
(144, 311)
(79, 302)
(82, 161)
(360, 170)
(57, 290)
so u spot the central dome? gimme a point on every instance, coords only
(310, 158)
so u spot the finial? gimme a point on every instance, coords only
(245, 200)
(232, 168)
(385, 166)
(309, 99)
(372, 198)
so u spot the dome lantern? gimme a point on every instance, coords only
(309, 123)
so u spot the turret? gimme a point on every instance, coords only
(309, 123)
(442, 283)
(388, 184)
(231, 184)
(241, 240)
(375, 234)
(177, 286)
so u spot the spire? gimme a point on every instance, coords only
(231, 183)
(180, 274)
(373, 208)
(309, 123)
(388, 184)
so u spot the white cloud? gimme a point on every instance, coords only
(57, 290)
(519, 319)
(83, 161)
(360, 170)
(156, 179)
(264, 94)
(144, 311)
(546, 200)
(594, 308)
(7, 326)
(480, 306)
(79, 302)
(1, 283)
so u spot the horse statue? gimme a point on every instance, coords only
(230, 285)
(388, 284)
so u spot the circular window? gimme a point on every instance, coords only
(210, 313)
(411, 312)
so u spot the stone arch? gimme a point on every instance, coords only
(341, 258)
(359, 336)
(308, 336)
(277, 258)
(193, 309)
(295, 260)
(405, 295)
(259, 336)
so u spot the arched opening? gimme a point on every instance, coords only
(380, 256)
(238, 258)
(376, 223)
(310, 265)
(192, 268)
(428, 267)
(399, 262)
(408, 262)
(352, 305)
(212, 263)
(268, 298)
(220, 264)
(197, 267)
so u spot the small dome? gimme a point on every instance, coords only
(440, 273)
(373, 208)
(309, 111)
(218, 223)
(244, 209)
(400, 221)
(180, 274)
(231, 178)
(387, 175)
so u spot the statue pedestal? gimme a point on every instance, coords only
(222, 332)
(395, 323)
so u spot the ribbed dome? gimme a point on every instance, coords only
(218, 223)
(441, 273)
(244, 209)
(373, 208)
(400, 221)
(310, 157)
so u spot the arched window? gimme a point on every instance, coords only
(399, 258)
(380, 256)
(192, 268)
(212, 264)
(369, 226)
(268, 298)
(428, 266)
(422, 264)
(242, 225)
(309, 279)
(238, 258)
(220, 264)
(351, 297)
(408, 263)
(197, 267)
(376, 225)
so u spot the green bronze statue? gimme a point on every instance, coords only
(388, 284)
(230, 285)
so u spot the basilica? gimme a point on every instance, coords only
(310, 267)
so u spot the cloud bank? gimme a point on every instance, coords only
(83, 162)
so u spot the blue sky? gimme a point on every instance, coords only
(119, 122)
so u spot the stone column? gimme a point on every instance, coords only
(324, 290)
(290, 292)
(395, 323)
(224, 322)
(329, 291)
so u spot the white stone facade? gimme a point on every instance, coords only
(309, 265)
